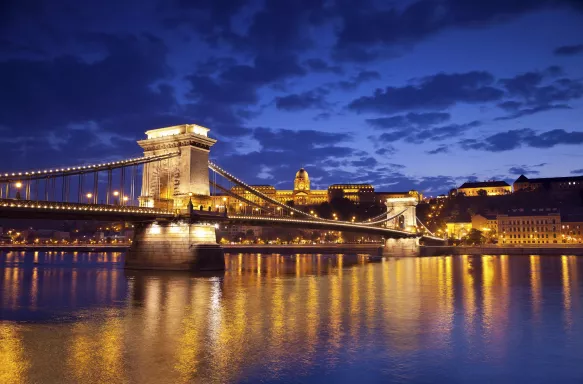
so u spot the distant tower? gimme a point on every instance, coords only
(301, 187)
(168, 183)
(302, 181)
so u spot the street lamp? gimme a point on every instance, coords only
(115, 195)
(18, 185)
(89, 196)
(125, 199)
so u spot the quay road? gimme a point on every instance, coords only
(371, 248)
(65, 247)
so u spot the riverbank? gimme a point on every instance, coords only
(563, 249)
(65, 248)
(372, 249)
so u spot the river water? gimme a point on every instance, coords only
(81, 318)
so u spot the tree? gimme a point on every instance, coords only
(482, 192)
(475, 237)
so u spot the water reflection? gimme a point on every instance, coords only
(273, 317)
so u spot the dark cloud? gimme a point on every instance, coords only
(358, 79)
(539, 91)
(531, 111)
(386, 150)
(433, 92)
(216, 99)
(66, 90)
(365, 162)
(420, 134)
(282, 139)
(577, 171)
(522, 171)
(319, 65)
(301, 101)
(505, 141)
(411, 119)
(569, 50)
(440, 149)
(322, 116)
(369, 28)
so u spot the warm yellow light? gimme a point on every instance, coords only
(18, 184)
(224, 199)
(89, 195)
(115, 193)
(125, 198)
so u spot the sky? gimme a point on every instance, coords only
(419, 94)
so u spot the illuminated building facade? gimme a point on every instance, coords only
(458, 228)
(490, 188)
(530, 226)
(572, 229)
(303, 195)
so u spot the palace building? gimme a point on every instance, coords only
(549, 183)
(487, 188)
(303, 195)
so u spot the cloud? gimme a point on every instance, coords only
(283, 139)
(216, 99)
(301, 101)
(440, 149)
(538, 91)
(512, 139)
(409, 120)
(365, 162)
(532, 111)
(522, 171)
(577, 171)
(435, 92)
(569, 50)
(386, 150)
(319, 65)
(371, 29)
(56, 92)
(418, 134)
(358, 79)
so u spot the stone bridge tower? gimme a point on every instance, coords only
(167, 183)
(408, 219)
(183, 243)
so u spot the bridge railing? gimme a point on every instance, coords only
(78, 207)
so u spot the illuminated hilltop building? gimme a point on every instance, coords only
(304, 195)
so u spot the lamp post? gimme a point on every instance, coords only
(125, 200)
(115, 195)
(89, 196)
(18, 185)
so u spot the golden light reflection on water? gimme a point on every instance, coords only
(272, 314)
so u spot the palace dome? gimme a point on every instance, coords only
(302, 174)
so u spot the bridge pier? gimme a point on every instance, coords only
(402, 247)
(175, 246)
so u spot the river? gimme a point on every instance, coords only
(82, 318)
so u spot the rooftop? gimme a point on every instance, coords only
(532, 212)
(523, 179)
(484, 184)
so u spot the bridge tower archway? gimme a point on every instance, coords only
(407, 220)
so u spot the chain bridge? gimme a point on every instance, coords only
(166, 193)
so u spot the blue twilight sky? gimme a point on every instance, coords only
(402, 94)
